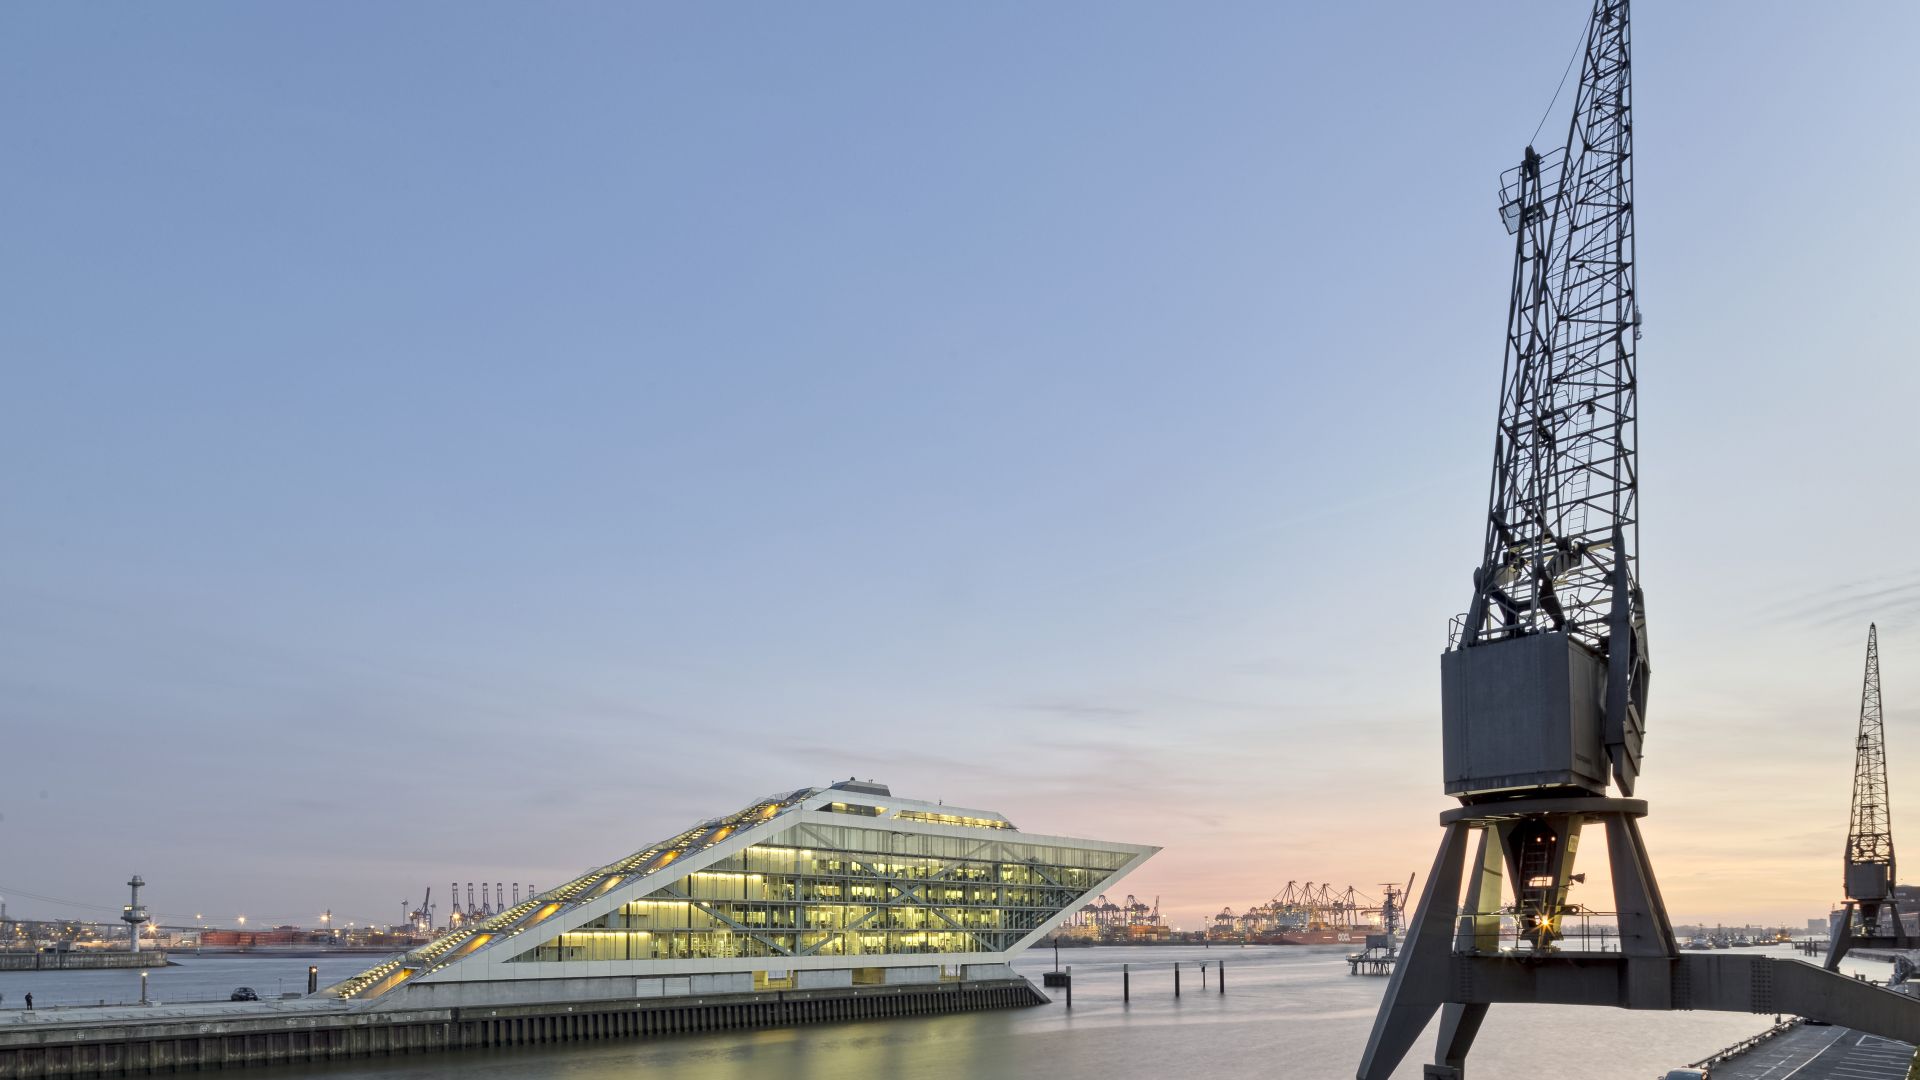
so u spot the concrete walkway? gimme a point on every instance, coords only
(1812, 1052)
(63, 1015)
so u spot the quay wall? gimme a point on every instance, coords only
(81, 961)
(125, 1047)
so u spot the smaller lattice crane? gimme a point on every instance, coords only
(1870, 879)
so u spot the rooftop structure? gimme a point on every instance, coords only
(844, 885)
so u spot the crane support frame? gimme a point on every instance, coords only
(1451, 963)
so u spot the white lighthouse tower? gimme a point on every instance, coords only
(134, 913)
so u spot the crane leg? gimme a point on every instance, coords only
(1458, 1025)
(1421, 977)
(1842, 938)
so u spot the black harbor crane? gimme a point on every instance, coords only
(1869, 875)
(1544, 679)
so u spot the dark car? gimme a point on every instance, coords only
(243, 993)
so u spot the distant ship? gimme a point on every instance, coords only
(1329, 936)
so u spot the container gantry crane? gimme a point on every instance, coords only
(1544, 680)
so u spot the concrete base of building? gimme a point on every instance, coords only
(114, 1044)
(453, 993)
(82, 961)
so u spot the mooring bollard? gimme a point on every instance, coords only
(1126, 983)
(1069, 986)
(1203, 976)
(1223, 976)
(1176, 978)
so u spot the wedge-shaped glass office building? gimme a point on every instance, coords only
(823, 887)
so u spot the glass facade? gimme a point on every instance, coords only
(954, 819)
(846, 890)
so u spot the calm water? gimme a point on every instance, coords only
(1287, 1013)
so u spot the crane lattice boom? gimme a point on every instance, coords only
(1561, 537)
(1870, 831)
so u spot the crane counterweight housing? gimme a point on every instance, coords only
(1523, 714)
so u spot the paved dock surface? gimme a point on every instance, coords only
(1810, 1052)
(62, 1015)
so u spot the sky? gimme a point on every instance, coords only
(454, 442)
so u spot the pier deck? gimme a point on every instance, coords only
(53, 1017)
(1810, 1052)
(122, 1040)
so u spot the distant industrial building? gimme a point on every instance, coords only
(841, 886)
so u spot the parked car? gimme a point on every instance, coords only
(243, 993)
(1686, 1074)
